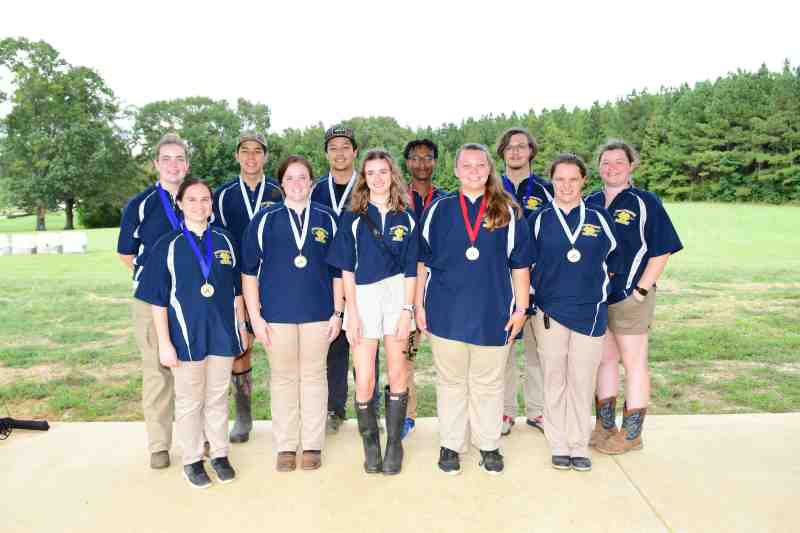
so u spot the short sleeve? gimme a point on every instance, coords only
(424, 251)
(521, 252)
(342, 251)
(533, 246)
(251, 250)
(155, 282)
(660, 234)
(127, 243)
(412, 249)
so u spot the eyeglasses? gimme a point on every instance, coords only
(516, 147)
(418, 159)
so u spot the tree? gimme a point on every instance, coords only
(61, 143)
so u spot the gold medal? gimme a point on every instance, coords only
(573, 256)
(300, 261)
(207, 290)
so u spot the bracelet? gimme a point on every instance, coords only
(640, 290)
(241, 324)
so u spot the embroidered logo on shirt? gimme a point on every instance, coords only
(532, 203)
(590, 230)
(398, 233)
(320, 235)
(266, 203)
(224, 257)
(624, 216)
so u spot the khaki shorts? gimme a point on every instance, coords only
(630, 317)
(379, 306)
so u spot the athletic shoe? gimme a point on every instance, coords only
(491, 462)
(508, 423)
(448, 462)
(196, 475)
(561, 462)
(408, 427)
(332, 423)
(223, 469)
(581, 464)
(537, 423)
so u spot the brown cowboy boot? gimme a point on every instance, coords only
(605, 425)
(629, 437)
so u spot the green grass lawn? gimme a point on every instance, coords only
(726, 339)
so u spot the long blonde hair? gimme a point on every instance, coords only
(497, 198)
(398, 192)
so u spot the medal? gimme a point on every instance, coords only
(246, 197)
(338, 207)
(472, 252)
(573, 254)
(300, 261)
(167, 205)
(207, 290)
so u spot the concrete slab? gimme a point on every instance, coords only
(95, 477)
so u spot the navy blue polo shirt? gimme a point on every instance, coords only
(644, 230)
(470, 301)
(356, 249)
(291, 295)
(322, 193)
(198, 326)
(574, 293)
(144, 221)
(418, 204)
(533, 193)
(230, 209)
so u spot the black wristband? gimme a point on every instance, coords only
(640, 290)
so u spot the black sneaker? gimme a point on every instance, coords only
(536, 423)
(448, 462)
(561, 462)
(581, 464)
(196, 475)
(332, 423)
(223, 469)
(491, 462)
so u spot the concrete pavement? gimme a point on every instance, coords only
(696, 473)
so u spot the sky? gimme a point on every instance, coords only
(423, 63)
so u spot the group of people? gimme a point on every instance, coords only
(318, 270)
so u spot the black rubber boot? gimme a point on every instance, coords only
(243, 393)
(368, 427)
(396, 405)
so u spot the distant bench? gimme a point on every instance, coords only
(51, 242)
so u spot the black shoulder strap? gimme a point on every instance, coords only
(376, 233)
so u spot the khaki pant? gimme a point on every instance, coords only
(201, 406)
(532, 388)
(299, 385)
(158, 391)
(569, 361)
(469, 393)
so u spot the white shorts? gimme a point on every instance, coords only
(379, 306)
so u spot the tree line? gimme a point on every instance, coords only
(68, 142)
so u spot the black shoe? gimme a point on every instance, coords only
(196, 475)
(368, 428)
(561, 462)
(491, 462)
(537, 423)
(448, 462)
(222, 467)
(332, 423)
(396, 405)
(581, 464)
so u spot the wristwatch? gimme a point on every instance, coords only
(640, 290)
(338, 314)
(408, 307)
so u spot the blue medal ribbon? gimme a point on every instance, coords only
(205, 264)
(510, 186)
(167, 204)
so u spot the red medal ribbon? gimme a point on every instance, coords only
(472, 231)
(427, 198)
